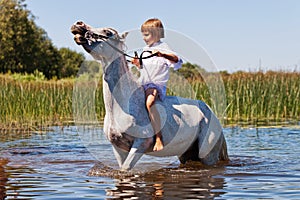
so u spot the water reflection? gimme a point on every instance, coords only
(3, 178)
(192, 181)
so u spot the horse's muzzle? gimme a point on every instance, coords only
(79, 30)
(79, 39)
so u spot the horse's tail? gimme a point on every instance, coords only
(223, 156)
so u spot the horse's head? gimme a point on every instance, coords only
(95, 40)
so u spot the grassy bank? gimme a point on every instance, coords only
(28, 103)
(255, 97)
(251, 97)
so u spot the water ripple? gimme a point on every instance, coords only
(56, 165)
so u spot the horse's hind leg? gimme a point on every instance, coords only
(210, 139)
(215, 154)
(223, 153)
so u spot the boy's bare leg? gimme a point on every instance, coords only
(158, 142)
(156, 125)
(151, 96)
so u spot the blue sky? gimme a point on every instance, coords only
(237, 34)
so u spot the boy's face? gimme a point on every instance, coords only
(149, 38)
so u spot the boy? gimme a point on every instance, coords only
(154, 73)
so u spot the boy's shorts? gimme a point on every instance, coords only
(160, 89)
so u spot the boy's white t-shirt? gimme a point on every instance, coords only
(156, 69)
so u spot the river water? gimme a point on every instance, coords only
(57, 164)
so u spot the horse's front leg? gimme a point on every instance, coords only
(139, 147)
(120, 155)
(122, 144)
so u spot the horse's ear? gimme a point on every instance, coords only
(123, 35)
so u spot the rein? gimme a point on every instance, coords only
(136, 56)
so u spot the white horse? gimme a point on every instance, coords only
(189, 128)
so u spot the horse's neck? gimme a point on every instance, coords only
(125, 110)
(118, 86)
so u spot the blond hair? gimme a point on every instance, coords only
(155, 27)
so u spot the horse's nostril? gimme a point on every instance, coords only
(79, 23)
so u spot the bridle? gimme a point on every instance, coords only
(136, 56)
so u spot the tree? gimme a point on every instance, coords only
(191, 71)
(25, 47)
(71, 62)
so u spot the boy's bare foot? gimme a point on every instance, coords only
(158, 145)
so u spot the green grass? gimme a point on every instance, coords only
(251, 97)
(33, 103)
(271, 96)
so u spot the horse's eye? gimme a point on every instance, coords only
(108, 33)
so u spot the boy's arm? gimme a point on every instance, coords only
(171, 57)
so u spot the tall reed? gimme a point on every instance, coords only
(271, 96)
(250, 97)
(34, 102)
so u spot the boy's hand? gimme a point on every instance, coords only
(136, 62)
